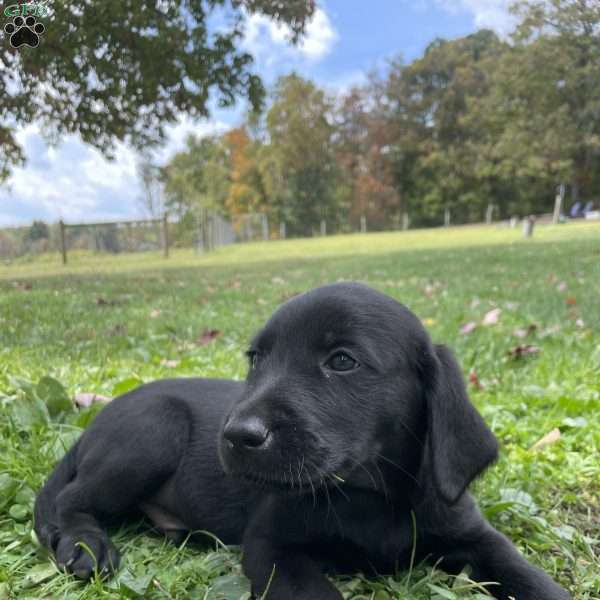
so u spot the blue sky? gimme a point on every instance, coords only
(345, 39)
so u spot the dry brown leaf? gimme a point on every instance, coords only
(523, 350)
(492, 317)
(549, 438)
(165, 362)
(468, 327)
(86, 399)
(474, 379)
(208, 335)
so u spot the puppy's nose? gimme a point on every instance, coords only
(249, 433)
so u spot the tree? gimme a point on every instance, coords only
(152, 198)
(38, 231)
(246, 191)
(197, 178)
(363, 142)
(298, 164)
(428, 104)
(124, 69)
(557, 77)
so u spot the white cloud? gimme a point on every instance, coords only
(269, 41)
(74, 182)
(490, 14)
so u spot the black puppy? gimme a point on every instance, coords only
(351, 433)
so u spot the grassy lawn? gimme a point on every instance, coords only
(105, 324)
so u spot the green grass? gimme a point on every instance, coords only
(105, 323)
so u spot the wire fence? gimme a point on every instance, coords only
(204, 231)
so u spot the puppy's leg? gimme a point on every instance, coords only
(284, 573)
(274, 557)
(492, 557)
(125, 456)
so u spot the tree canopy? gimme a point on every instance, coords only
(124, 69)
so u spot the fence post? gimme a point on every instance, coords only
(363, 224)
(323, 227)
(282, 231)
(265, 228)
(405, 221)
(166, 234)
(558, 202)
(63, 243)
(528, 226)
(489, 214)
(447, 217)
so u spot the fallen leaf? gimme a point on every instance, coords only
(118, 329)
(475, 380)
(548, 439)
(100, 301)
(468, 327)
(523, 350)
(86, 399)
(571, 301)
(208, 335)
(521, 333)
(169, 363)
(492, 317)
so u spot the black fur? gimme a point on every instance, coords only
(350, 423)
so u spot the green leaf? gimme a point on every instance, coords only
(519, 498)
(29, 411)
(39, 574)
(228, 587)
(135, 586)
(125, 385)
(576, 422)
(8, 487)
(442, 592)
(496, 508)
(53, 393)
(19, 512)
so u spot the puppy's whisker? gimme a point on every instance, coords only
(383, 484)
(338, 487)
(399, 467)
(332, 508)
(411, 433)
(358, 464)
(312, 486)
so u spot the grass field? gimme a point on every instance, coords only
(105, 324)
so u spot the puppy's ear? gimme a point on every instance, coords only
(459, 444)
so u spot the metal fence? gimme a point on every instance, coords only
(204, 231)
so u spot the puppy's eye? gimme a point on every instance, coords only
(341, 362)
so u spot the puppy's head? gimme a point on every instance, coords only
(344, 376)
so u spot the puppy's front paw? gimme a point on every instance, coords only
(86, 553)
